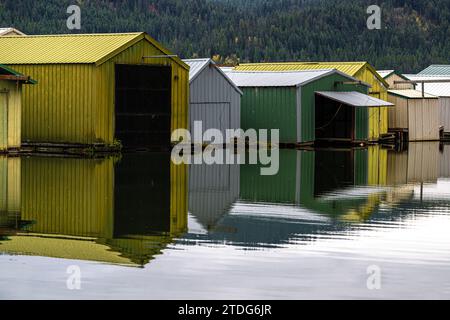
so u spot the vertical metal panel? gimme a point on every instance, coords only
(74, 103)
(14, 198)
(423, 119)
(60, 107)
(397, 168)
(361, 161)
(271, 108)
(3, 121)
(179, 198)
(10, 198)
(68, 196)
(423, 162)
(214, 101)
(378, 117)
(444, 171)
(3, 183)
(14, 114)
(212, 116)
(444, 105)
(280, 188)
(10, 114)
(398, 115)
(213, 189)
(377, 166)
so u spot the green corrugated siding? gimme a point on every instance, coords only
(361, 167)
(308, 106)
(333, 207)
(283, 188)
(279, 188)
(271, 108)
(276, 108)
(361, 124)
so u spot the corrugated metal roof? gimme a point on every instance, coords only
(411, 94)
(198, 65)
(385, 73)
(6, 31)
(70, 48)
(355, 99)
(350, 68)
(278, 79)
(63, 247)
(436, 89)
(436, 69)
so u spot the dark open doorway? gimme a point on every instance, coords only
(143, 105)
(334, 170)
(142, 194)
(334, 120)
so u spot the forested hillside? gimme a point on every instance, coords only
(414, 34)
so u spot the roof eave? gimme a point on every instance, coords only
(374, 71)
(207, 63)
(140, 36)
(210, 62)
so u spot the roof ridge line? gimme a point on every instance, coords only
(77, 35)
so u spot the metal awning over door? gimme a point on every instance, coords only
(354, 99)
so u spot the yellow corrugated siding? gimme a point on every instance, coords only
(10, 114)
(72, 197)
(378, 117)
(61, 107)
(74, 103)
(178, 198)
(3, 184)
(10, 183)
(3, 121)
(378, 160)
(76, 196)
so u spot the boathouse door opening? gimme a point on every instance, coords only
(143, 106)
(335, 121)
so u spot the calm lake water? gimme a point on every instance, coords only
(139, 227)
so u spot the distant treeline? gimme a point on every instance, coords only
(414, 34)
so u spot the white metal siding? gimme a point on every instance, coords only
(398, 115)
(444, 105)
(423, 115)
(394, 77)
(214, 101)
(444, 171)
(423, 162)
(212, 191)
